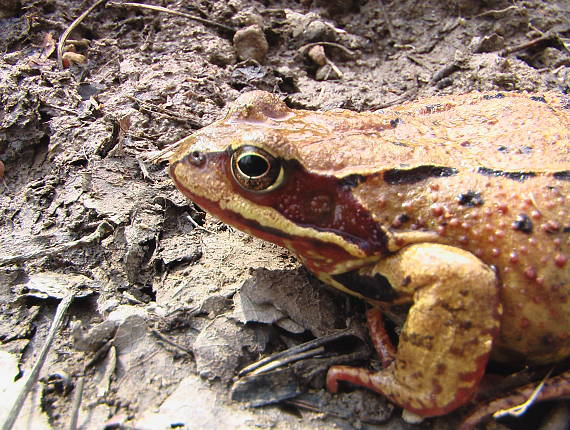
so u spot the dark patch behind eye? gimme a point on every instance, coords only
(564, 175)
(515, 176)
(417, 174)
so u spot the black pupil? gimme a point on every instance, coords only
(253, 165)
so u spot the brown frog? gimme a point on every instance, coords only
(458, 205)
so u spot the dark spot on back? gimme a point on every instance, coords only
(470, 198)
(503, 148)
(566, 229)
(516, 176)
(493, 96)
(564, 175)
(417, 174)
(395, 122)
(374, 287)
(523, 224)
(352, 181)
(538, 99)
(526, 150)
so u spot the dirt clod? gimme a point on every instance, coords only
(250, 44)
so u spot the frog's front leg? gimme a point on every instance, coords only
(448, 334)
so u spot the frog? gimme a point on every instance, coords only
(453, 206)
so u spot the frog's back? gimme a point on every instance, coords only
(516, 132)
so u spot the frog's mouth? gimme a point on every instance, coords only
(317, 255)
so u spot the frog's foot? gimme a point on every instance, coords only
(553, 388)
(385, 383)
(449, 331)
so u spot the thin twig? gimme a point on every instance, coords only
(347, 51)
(35, 373)
(198, 226)
(157, 110)
(408, 95)
(144, 170)
(163, 338)
(66, 33)
(77, 397)
(526, 45)
(496, 13)
(517, 411)
(172, 12)
(103, 230)
(71, 111)
(289, 359)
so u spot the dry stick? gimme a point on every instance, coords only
(78, 390)
(157, 110)
(172, 12)
(306, 47)
(35, 373)
(163, 338)
(67, 32)
(526, 45)
(103, 230)
(496, 13)
(76, 403)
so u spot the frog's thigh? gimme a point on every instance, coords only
(448, 334)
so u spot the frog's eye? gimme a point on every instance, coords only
(255, 169)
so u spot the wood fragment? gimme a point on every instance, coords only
(166, 340)
(535, 42)
(35, 373)
(160, 111)
(76, 404)
(496, 13)
(308, 46)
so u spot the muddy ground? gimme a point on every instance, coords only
(169, 302)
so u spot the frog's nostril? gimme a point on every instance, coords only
(197, 158)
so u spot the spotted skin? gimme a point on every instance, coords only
(456, 205)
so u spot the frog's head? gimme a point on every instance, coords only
(246, 169)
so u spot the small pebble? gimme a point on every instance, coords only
(250, 44)
(317, 54)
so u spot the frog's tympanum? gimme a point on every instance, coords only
(457, 205)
